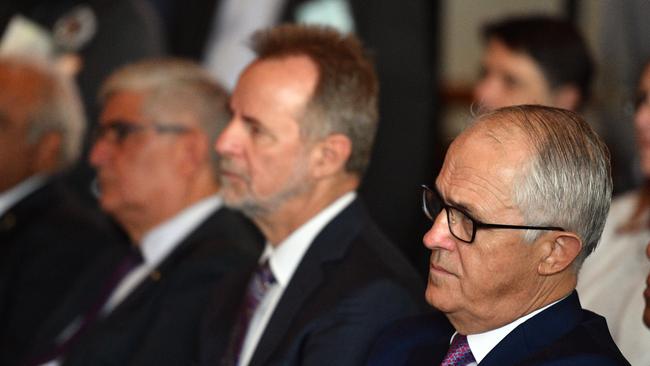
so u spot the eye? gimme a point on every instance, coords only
(510, 82)
(639, 99)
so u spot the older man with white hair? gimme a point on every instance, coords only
(46, 235)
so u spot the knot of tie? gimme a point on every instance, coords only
(459, 353)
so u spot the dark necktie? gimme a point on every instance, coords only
(258, 286)
(73, 332)
(459, 353)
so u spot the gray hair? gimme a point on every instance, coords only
(173, 88)
(55, 108)
(567, 182)
(345, 97)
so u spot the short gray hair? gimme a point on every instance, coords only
(567, 182)
(172, 87)
(345, 97)
(55, 108)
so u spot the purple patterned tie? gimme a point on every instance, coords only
(259, 284)
(459, 353)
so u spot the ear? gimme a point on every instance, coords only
(559, 252)
(567, 96)
(330, 155)
(47, 153)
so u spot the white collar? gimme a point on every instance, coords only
(285, 257)
(481, 344)
(16, 193)
(161, 240)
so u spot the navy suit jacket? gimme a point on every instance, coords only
(563, 334)
(47, 240)
(158, 322)
(350, 283)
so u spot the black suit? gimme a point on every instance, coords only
(46, 240)
(563, 334)
(157, 323)
(350, 283)
(401, 37)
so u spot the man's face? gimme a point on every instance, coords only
(642, 121)
(491, 281)
(264, 160)
(510, 77)
(16, 154)
(138, 171)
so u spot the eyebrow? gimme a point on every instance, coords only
(455, 204)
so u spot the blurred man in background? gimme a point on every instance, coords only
(47, 237)
(157, 177)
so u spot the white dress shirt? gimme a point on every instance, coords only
(481, 344)
(21, 190)
(283, 261)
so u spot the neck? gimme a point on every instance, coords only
(138, 225)
(280, 223)
(507, 310)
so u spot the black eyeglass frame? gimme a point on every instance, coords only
(476, 224)
(123, 129)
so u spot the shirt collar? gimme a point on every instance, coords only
(161, 240)
(285, 257)
(16, 193)
(481, 344)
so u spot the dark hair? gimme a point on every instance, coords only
(554, 43)
(345, 96)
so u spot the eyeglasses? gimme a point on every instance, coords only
(461, 225)
(117, 131)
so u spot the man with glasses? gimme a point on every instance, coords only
(157, 177)
(520, 201)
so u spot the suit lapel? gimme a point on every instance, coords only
(331, 244)
(158, 276)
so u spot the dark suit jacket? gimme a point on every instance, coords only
(158, 323)
(350, 283)
(563, 334)
(401, 37)
(46, 241)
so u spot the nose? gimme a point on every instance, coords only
(100, 153)
(439, 237)
(487, 93)
(642, 117)
(230, 139)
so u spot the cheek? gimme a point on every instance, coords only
(272, 173)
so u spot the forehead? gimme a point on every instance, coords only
(22, 86)
(499, 56)
(123, 105)
(480, 168)
(276, 85)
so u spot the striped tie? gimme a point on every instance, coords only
(259, 284)
(459, 353)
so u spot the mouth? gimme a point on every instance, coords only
(435, 269)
